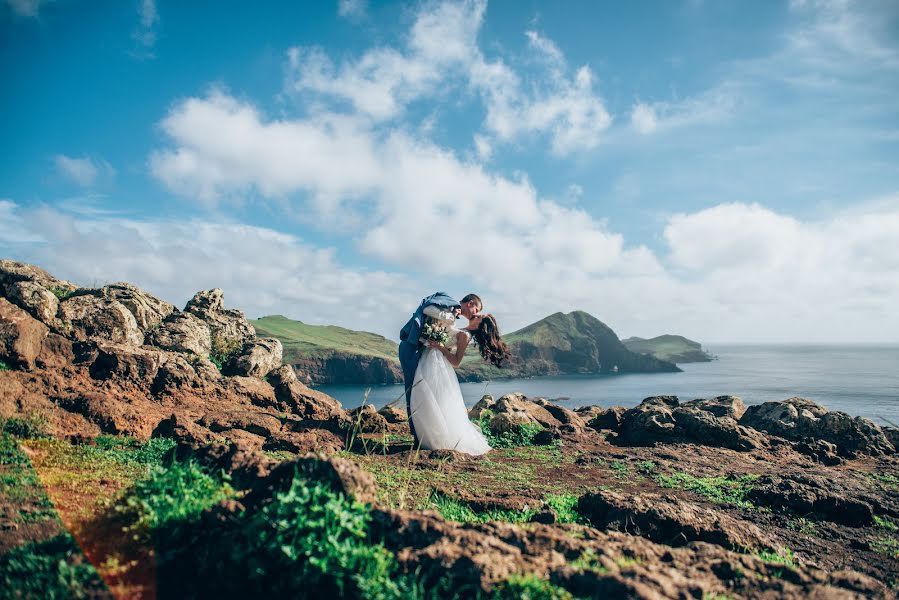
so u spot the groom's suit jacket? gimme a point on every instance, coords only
(409, 350)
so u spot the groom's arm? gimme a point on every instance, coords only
(439, 313)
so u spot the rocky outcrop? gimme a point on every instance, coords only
(801, 419)
(229, 325)
(257, 358)
(96, 375)
(21, 336)
(669, 521)
(90, 317)
(182, 332)
(710, 422)
(148, 310)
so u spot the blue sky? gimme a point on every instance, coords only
(723, 170)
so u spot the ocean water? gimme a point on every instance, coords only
(858, 379)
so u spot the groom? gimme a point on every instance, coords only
(437, 306)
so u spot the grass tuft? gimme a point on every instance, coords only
(29, 426)
(457, 510)
(720, 490)
(521, 435)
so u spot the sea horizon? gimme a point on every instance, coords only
(859, 379)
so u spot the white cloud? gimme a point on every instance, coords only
(27, 8)
(84, 171)
(708, 107)
(440, 54)
(145, 34)
(262, 271)
(352, 9)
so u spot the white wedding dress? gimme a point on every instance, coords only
(437, 408)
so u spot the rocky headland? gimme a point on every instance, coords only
(281, 490)
(673, 348)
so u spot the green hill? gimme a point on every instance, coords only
(576, 342)
(673, 348)
(331, 354)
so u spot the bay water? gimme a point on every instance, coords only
(860, 380)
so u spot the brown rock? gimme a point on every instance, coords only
(256, 391)
(257, 358)
(88, 317)
(21, 336)
(650, 422)
(607, 418)
(40, 302)
(574, 421)
(827, 498)
(135, 364)
(227, 324)
(485, 403)
(295, 397)
(703, 427)
(56, 352)
(668, 520)
(182, 332)
(148, 310)
(515, 404)
(366, 419)
(798, 419)
(393, 414)
(720, 406)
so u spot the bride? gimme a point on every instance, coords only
(437, 410)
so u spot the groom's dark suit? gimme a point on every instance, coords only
(410, 349)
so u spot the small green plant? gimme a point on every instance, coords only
(624, 562)
(173, 496)
(223, 349)
(620, 469)
(782, 556)
(589, 561)
(565, 507)
(803, 525)
(521, 435)
(885, 523)
(457, 510)
(54, 568)
(4, 366)
(887, 479)
(886, 545)
(30, 426)
(61, 293)
(528, 587)
(647, 467)
(720, 490)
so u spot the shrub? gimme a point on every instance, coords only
(54, 568)
(30, 426)
(223, 349)
(61, 293)
(521, 435)
(4, 366)
(172, 497)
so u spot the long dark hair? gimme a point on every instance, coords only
(493, 349)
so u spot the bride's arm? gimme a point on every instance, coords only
(455, 358)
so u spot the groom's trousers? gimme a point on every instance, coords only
(409, 357)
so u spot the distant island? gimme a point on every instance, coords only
(559, 344)
(673, 348)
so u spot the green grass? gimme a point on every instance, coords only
(223, 349)
(61, 293)
(620, 469)
(27, 426)
(173, 495)
(886, 545)
(647, 467)
(782, 556)
(52, 569)
(528, 587)
(4, 366)
(885, 523)
(666, 347)
(719, 490)
(887, 479)
(565, 507)
(302, 340)
(589, 561)
(20, 486)
(521, 435)
(804, 525)
(456, 510)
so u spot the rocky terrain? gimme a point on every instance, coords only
(673, 348)
(706, 498)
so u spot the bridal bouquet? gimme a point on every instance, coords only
(433, 330)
